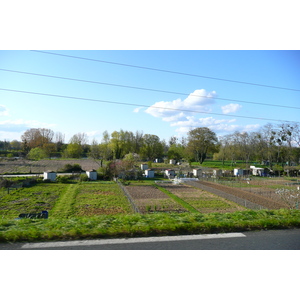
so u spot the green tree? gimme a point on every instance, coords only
(152, 147)
(201, 141)
(37, 154)
(176, 151)
(76, 146)
(74, 150)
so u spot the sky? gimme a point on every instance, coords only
(161, 92)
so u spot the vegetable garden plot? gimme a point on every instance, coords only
(100, 199)
(246, 195)
(32, 199)
(202, 201)
(150, 199)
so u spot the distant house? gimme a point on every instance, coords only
(92, 174)
(172, 161)
(50, 175)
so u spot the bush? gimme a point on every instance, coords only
(83, 177)
(68, 168)
(5, 183)
(63, 179)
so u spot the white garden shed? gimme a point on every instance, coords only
(91, 174)
(149, 173)
(50, 175)
(197, 172)
(170, 173)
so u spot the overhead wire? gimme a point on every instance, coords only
(142, 105)
(143, 88)
(165, 71)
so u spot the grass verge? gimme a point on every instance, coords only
(135, 225)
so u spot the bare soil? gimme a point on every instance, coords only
(25, 166)
(203, 201)
(235, 192)
(150, 199)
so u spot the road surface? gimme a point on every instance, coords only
(254, 240)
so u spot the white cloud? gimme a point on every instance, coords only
(13, 129)
(136, 110)
(170, 111)
(3, 111)
(222, 126)
(231, 108)
(181, 114)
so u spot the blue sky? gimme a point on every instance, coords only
(195, 99)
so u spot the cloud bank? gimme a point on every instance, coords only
(170, 111)
(181, 114)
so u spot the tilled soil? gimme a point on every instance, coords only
(231, 192)
(28, 166)
(150, 199)
(201, 200)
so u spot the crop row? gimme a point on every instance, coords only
(150, 199)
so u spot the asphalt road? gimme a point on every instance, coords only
(255, 240)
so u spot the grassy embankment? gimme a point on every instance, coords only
(110, 226)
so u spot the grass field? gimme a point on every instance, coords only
(65, 200)
(34, 199)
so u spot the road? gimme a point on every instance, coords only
(254, 240)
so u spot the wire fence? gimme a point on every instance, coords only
(131, 201)
(238, 200)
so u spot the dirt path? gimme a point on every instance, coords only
(244, 198)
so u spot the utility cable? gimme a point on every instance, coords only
(141, 105)
(167, 71)
(145, 89)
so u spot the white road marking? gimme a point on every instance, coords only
(132, 240)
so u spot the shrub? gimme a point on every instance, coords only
(68, 168)
(63, 179)
(5, 183)
(83, 177)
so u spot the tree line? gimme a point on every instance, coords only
(274, 144)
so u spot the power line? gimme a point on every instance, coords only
(142, 88)
(140, 105)
(168, 71)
